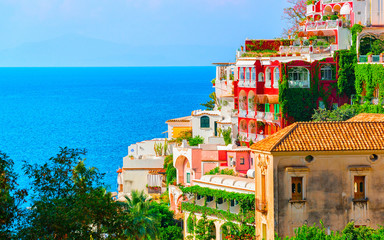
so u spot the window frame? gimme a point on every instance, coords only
(296, 188)
(247, 74)
(299, 77)
(205, 124)
(241, 73)
(294, 171)
(359, 194)
(260, 76)
(188, 177)
(242, 160)
(276, 80)
(268, 78)
(327, 69)
(253, 74)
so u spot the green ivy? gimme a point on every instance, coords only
(191, 220)
(346, 80)
(368, 78)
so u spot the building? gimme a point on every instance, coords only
(312, 171)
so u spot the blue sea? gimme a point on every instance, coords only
(101, 109)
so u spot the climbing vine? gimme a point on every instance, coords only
(369, 77)
(346, 62)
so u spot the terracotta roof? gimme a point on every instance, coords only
(325, 136)
(367, 117)
(181, 119)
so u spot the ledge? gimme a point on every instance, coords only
(359, 168)
(298, 201)
(364, 200)
(297, 169)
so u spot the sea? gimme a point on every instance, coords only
(103, 110)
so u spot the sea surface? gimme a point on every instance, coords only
(101, 109)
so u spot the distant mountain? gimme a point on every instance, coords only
(75, 50)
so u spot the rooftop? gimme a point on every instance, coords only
(367, 117)
(325, 136)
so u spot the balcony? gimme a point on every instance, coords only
(241, 83)
(252, 136)
(243, 135)
(251, 114)
(323, 25)
(335, 1)
(370, 59)
(253, 83)
(298, 84)
(259, 137)
(260, 116)
(243, 113)
(247, 83)
(269, 117)
(261, 206)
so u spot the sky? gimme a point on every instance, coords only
(58, 33)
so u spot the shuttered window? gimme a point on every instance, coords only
(204, 122)
(297, 188)
(359, 187)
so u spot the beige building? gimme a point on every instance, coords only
(329, 171)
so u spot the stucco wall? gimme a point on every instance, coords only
(328, 191)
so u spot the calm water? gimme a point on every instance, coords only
(101, 109)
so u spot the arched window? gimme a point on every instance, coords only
(241, 73)
(253, 74)
(261, 77)
(204, 122)
(327, 72)
(268, 80)
(247, 75)
(298, 77)
(276, 77)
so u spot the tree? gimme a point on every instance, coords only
(10, 197)
(210, 105)
(144, 220)
(204, 229)
(196, 140)
(294, 15)
(166, 224)
(69, 201)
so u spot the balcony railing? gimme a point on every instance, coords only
(243, 135)
(298, 83)
(252, 136)
(241, 83)
(260, 137)
(251, 114)
(322, 25)
(253, 83)
(260, 116)
(243, 113)
(335, 1)
(261, 206)
(269, 116)
(370, 59)
(247, 83)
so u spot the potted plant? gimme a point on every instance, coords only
(289, 54)
(213, 81)
(131, 157)
(298, 53)
(242, 48)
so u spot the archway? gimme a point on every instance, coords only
(243, 100)
(183, 167)
(251, 101)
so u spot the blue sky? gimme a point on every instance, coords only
(132, 32)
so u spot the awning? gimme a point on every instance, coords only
(273, 99)
(345, 9)
(243, 63)
(262, 99)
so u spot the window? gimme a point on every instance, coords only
(277, 111)
(297, 188)
(298, 77)
(264, 231)
(251, 161)
(327, 72)
(188, 177)
(263, 189)
(321, 105)
(267, 107)
(261, 77)
(220, 201)
(276, 77)
(242, 161)
(253, 74)
(247, 75)
(209, 198)
(268, 78)
(241, 73)
(359, 187)
(199, 197)
(234, 202)
(204, 122)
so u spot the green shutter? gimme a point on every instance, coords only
(267, 107)
(277, 111)
(204, 122)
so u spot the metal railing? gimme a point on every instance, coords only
(268, 116)
(260, 137)
(251, 114)
(260, 116)
(243, 113)
(298, 83)
(321, 25)
(252, 136)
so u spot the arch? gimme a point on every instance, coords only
(336, 8)
(182, 165)
(260, 77)
(243, 125)
(251, 101)
(327, 10)
(298, 77)
(208, 226)
(243, 100)
(268, 78)
(229, 230)
(247, 73)
(253, 74)
(252, 126)
(276, 77)
(204, 122)
(345, 9)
